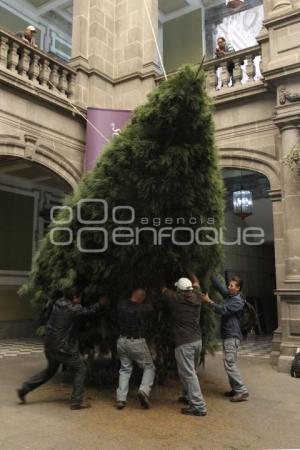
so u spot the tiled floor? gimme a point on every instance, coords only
(254, 346)
(18, 347)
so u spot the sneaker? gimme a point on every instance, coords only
(240, 397)
(192, 411)
(183, 400)
(230, 393)
(22, 395)
(83, 405)
(120, 405)
(144, 399)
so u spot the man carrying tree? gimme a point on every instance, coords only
(62, 346)
(133, 318)
(230, 312)
(185, 306)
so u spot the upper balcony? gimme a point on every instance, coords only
(34, 71)
(236, 75)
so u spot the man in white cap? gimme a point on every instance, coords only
(28, 35)
(185, 307)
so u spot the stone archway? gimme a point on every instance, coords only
(33, 179)
(29, 149)
(241, 158)
(253, 160)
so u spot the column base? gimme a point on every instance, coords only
(276, 342)
(284, 363)
(288, 350)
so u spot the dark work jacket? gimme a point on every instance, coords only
(133, 318)
(185, 315)
(63, 318)
(230, 311)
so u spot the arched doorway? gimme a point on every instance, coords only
(253, 260)
(28, 190)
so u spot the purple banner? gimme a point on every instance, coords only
(109, 122)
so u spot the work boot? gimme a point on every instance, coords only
(83, 405)
(183, 400)
(22, 395)
(192, 411)
(230, 393)
(240, 397)
(144, 399)
(120, 405)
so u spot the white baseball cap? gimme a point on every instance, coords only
(31, 28)
(184, 284)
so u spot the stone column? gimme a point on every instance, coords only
(289, 289)
(291, 201)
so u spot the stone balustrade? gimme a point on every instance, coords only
(35, 67)
(238, 69)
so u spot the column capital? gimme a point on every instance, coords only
(287, 122)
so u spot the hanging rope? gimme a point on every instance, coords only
(75, 109)
(155, 40)
(79, 112)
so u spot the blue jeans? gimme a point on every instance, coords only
(230, 348)
(188, 359)
(137, 350)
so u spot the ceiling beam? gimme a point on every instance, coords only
(197, 3)
(52, 5)
(14, 167)
(40, 179)
(65, 15)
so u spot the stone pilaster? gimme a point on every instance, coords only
(79, 60)
(278, 225)
(136, 57)
(114, 52)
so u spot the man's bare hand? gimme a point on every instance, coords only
(103, 300)
(206, 299)
(195, 280)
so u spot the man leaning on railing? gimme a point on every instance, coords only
(28, 35)
(224, 49)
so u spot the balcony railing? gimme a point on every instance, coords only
(35, 67)
(237, 70)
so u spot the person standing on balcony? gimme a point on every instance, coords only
(28, 35)
(223, 49)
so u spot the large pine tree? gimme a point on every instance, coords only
(165, 166)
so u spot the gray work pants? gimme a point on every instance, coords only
(188, 359)
(137, 350)
(230, 348)
(55, 359)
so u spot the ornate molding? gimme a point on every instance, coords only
(30, 146)
(285, 95)
(275, 195)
